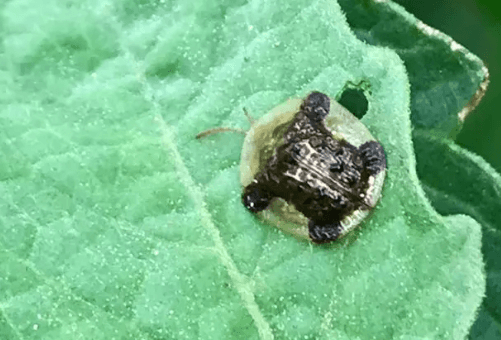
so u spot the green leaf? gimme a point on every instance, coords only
(116, 223)
(485, 327)
(459, 182)
(447, 81)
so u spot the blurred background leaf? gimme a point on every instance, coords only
(459, 182)
(475, 24)
(447, 80)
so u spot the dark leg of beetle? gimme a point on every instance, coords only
(254, 198)
(324, 233)
(316, 106)
(373, 156)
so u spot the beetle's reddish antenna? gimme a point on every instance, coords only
(209, 132)
(249, 117)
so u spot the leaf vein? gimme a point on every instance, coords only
(9, 322)
(241, 282)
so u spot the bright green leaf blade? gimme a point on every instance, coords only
(447, 81)
(459, 182)
(116, 223)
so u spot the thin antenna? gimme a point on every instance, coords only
(209, 132)
(249, 117)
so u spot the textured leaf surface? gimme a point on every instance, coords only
(116, 223)
(447, 81)
(458, 182)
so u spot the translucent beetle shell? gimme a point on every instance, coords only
(311, 168)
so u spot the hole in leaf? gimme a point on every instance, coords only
(355, 101)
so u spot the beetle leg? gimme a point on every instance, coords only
(324, 233)
(373, 157)
(255, 198)
(316, 106)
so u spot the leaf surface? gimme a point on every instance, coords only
(116, 223)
